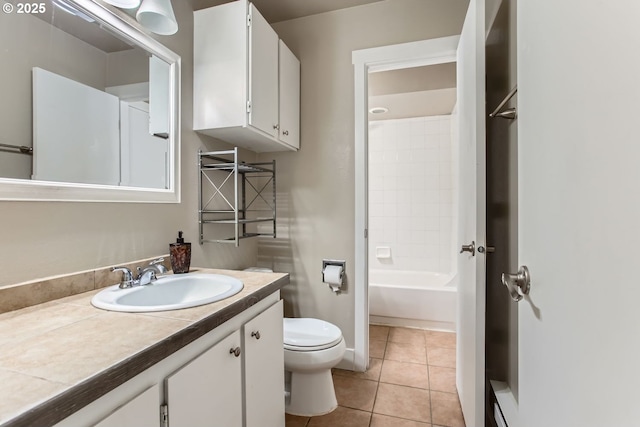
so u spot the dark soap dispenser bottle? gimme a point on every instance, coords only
(180, 255)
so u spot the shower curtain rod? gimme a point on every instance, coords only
(23, 149)
(504, 101)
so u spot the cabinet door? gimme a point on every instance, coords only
(263, 74)
(289, 84)
(264, 369)
(141, 411)
(208, 391)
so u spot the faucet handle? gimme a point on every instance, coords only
(158, 262)
(127, 277)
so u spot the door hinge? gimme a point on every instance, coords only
(366, 233)
(248, 106)
(248, 20)
(164, 415)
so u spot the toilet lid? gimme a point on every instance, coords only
(306, 334)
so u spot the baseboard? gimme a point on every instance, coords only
(413, 323)
(348, 360)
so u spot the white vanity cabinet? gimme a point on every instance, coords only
(233, 376)
(246, 81)
(208, 391)
(141, 411)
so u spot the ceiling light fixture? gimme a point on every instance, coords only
(378, 110)
(157, 16)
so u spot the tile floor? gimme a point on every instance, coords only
(410, 383)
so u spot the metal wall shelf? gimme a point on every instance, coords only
(235, 194)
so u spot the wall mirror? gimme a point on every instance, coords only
(89, 106)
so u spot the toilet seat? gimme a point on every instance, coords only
(305, 334)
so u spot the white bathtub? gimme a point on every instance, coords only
(413, 298)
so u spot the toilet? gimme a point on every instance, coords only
(311, 348)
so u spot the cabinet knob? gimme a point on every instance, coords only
(285, 133)
(235, 351)
(276, 127)
(256, 334)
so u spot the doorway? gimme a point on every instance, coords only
(387, 58)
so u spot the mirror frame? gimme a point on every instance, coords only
(34, 190)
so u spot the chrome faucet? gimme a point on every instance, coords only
(146, 275)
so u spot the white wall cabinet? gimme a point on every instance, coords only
(232, 376)
(246, 81)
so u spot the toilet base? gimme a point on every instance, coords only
(312, 394)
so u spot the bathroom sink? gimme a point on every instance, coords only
(169, 293)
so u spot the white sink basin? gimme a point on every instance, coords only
(169, 293)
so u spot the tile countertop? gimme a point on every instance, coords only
(52, 355)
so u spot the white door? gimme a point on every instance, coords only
(263, 74)
(208, 391)
(471, 268)
(579, 212)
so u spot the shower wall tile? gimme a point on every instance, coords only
(411, 193)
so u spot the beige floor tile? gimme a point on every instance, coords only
(342, 417)
(446, 409)
(440, 339)
(372, 373)
(378, 333)
(295, 421)
(405, 352)
(377, 349)
(405, 402)
(354, 392)
(378, 420)
(442, 379)
(403, 373)
(445, 357)
(407, 335)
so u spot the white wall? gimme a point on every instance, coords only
(411, 193)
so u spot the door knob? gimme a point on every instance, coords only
(517, 284)
(235, 351)
(469, 248)
(256, 335)
(488, 249)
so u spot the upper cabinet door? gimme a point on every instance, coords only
(263, 74)
(289, 96)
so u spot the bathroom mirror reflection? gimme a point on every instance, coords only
(87, 99)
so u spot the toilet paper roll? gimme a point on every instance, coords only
(332, 274)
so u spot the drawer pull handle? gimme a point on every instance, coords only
(235, 351)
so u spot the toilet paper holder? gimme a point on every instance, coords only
(335, 283)
(338, 262)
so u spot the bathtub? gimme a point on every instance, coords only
(413, 298)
